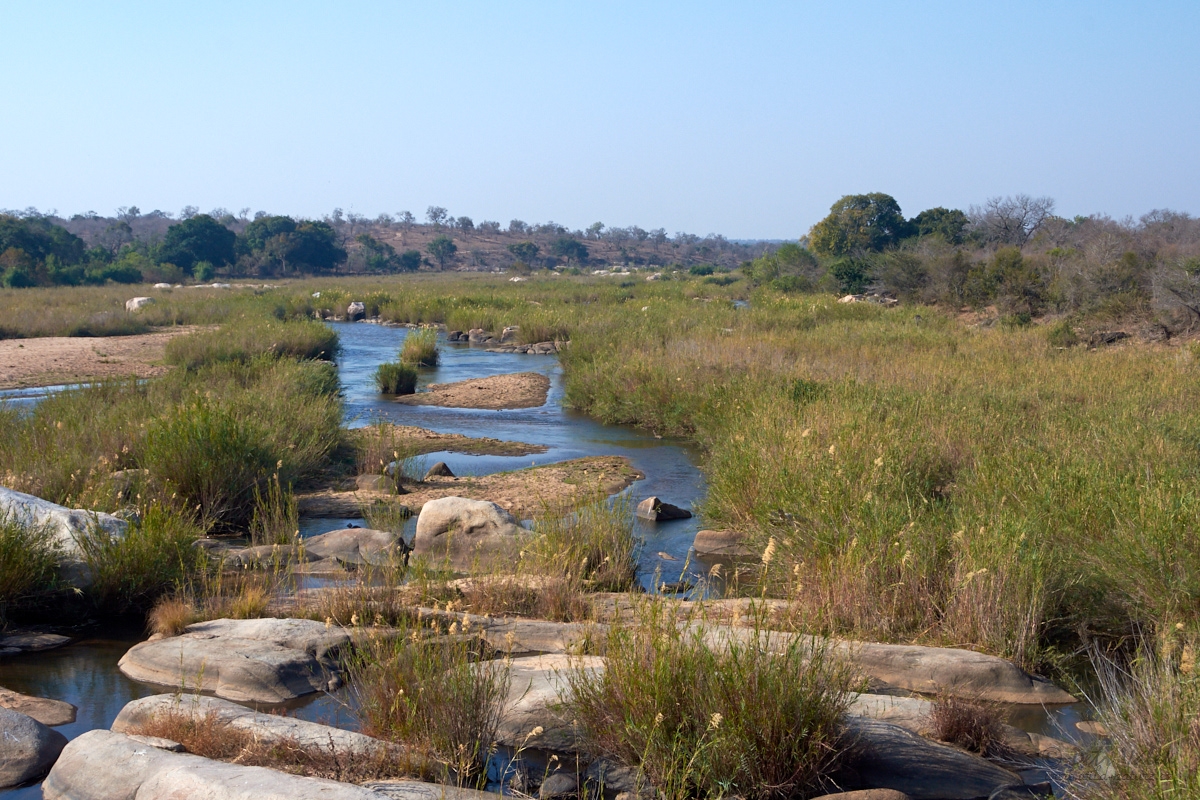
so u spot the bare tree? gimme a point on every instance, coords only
(1010, 220)
(436, 215)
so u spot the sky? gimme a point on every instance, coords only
(744, 119)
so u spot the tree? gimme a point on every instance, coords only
(517, 226)
(198, 238)
(410, 261)
(313, 247)
(949, 223)
(406, 219)
(376, 255)
(436, 215)
(594, 230)
(442, 249)
(1010, 220)
(524, 251)
(465, 224)
(570, 249)
(859, 222)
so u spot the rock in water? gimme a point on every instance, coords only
(439, 470)
(358, 546)
(27, 748)
(355, 311)
(48, 712)
(653, 509)
(721, 544)
(249, 661)
(466, 531)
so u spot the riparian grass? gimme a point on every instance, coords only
(420, 348)
(396, 378)
(28, 564)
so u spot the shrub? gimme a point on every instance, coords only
(420, 348)
(393, 378)
(712, 720)
(28, 563)
(970, 725)
(435, 695)
(1062, 335)
(170, 616)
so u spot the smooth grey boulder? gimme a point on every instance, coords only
(928, 670)
(269, 728)
(15, 643)
(516, 636)
(102, 765)
(250, 661)
(564, 783)
(466, 531)
(721, 544)
(27, 748)
(48, 712)
(536, 686)
(884, 756)
(866, 794)
(653, 509)
(357, 546)
(265, 555)
(66, 526)
(407, 789)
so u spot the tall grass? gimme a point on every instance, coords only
(704, 721)
(420, 348)
(28, 564)
(394, 378)
(276, 517)
(434, 694)
(248, 338)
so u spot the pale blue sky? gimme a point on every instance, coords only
(746, 119)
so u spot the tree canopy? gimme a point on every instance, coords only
(949, 223)
(200, 238)
(442, 249)
(859, 222)
(570, 249)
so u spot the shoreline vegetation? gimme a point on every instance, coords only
(903, 473)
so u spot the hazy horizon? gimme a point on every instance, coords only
(747, 122)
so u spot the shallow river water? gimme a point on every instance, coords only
(85, 672)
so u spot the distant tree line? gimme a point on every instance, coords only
(1011, 252)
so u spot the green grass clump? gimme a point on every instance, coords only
(276, 517)
(28, 564)
(706, 720)
(435, 695)
(246, 339)
(593, 543)
(394, 378)
(420, 348)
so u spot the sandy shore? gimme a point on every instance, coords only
(415, 441)
(525, 493)
(51, 360)
(516, 390)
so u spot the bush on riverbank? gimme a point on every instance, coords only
(420, 349)
(704, 720)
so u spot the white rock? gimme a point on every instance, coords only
(162, 286)
(136, 303)
(466, 530)
(66, 526)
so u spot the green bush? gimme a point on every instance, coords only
(741, 717)
(1062, 335)
(420, 348)
(393, 378)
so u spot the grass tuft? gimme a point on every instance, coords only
(420, 348)
(393, 378)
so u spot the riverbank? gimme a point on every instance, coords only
(56, 360)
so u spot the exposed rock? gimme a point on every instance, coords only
(266, 555)
(269, 728)
(1100, 338)
(355, 311)
(1038, 791)
(15, 643)
(928, 670)
(66, 525)
(29, 748)
(615, 780)
(465, 530)
(721, 544)
(888, 757)
(476, 335)
(136, 303)
(653, 509)
(454, 336)
(1093, 727)
(439, 470)
(160, 743)
(564, 783)
(162, 286)
(516, 636)
(406, 789)
(536, 686)
(866, 794)
(252, 660)
(358, 546)
(123, 480)
(102, 765)
(48, 712)
(509, 333)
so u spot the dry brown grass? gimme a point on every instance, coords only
(211, 737)
(967, 724)
(170, 616)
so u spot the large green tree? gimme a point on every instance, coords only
(859, 222)
(524, 251)
(442, 249)
(949, 223)
(200, 238)
(570, 249)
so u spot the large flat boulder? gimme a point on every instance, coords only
(536, 686)
(249, 661)
(66, 526)
(31, 642)
(48, 712)
(721, 544)
(357, 546)
(928, 670)
(27, 748)
(269, 728)
(466, 532)
(885, 756)
(102, 765)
